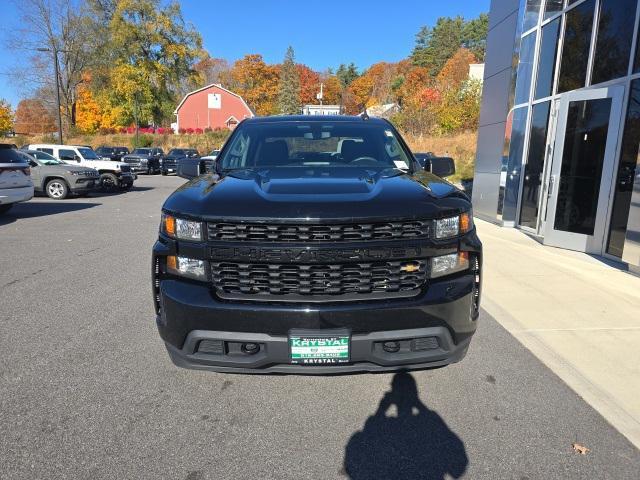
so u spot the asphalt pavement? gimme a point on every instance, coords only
(87, 389)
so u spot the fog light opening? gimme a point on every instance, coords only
(250, 348)
(391, 347)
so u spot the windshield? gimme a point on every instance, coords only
(45, 158)
(301, 144)
(176, 151)
(88, 154)
(107, 150)
(142, 151)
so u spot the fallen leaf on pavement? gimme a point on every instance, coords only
(581, 449)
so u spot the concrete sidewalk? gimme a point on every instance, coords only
(578, 315)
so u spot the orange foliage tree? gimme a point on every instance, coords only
(456, 70)
(257, 83)
(309, 84)
(33, 117)
(359, 95)
(332, 90)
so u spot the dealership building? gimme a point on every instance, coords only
(559, 131)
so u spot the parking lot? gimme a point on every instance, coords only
(87, 390)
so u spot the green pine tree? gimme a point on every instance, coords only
(289, 98)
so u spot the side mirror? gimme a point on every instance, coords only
(440, 166)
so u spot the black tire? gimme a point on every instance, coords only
(4, 208)
(57, 189)
(108, 182)
(149, 170)
(164, 173)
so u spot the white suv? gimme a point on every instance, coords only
(112, 174)
(15, 181)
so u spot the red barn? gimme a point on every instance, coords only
(211, 107)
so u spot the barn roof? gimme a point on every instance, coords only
(175, 112)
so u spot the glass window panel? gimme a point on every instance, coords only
(547, 60)
(510, 175)
(551, 7)
(525, 68)
(531, 14)
(626, 172)
(575, 52)
(535, 164)
(581, 169)
(613, 44)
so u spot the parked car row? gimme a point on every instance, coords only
(60, 171)
(153, 160)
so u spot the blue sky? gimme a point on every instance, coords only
(323, 33)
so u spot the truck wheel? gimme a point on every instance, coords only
(57, 189)
(149, 170)
(164, 173)
(108, 181)
(5, 208)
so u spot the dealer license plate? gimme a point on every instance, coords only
(310, 350)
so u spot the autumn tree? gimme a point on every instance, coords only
(381, 75)
(358, 95)
(332, 89)
(33, 117)
(213, 70)
(309, 84)
(257, 83)
(6, 117)
(456, 71)
(155, 52)
(289, 89)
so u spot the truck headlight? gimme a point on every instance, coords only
(187, 267)
(448, 264)
(454, 226)
(181, 229)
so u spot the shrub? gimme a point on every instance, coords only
(198, 131)
(208, 130)
(190, 131)
(182, 131)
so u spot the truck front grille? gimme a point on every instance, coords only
(265, 232)
(274, 281)
(125, 168)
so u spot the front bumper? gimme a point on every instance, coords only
(191, 313)
(83, 185)
(14, 195)
(126, 179)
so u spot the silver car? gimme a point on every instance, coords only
(59, 179)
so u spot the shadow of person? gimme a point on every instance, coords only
(414, 444)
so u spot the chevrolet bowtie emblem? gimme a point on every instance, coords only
(410, 267)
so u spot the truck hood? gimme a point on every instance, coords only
(65, 168)
(97, 164)
(317, 193)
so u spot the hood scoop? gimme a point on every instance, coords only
(314, 182)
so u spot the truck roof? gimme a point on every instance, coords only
(314, 118)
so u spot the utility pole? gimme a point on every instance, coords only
(57, 72)
(135, 115)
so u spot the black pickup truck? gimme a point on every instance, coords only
(318, 246)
